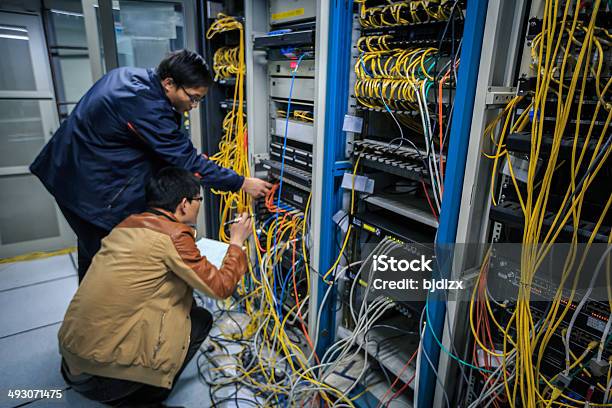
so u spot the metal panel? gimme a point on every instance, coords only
(93, 39)
(301, 132)
(210, 115)
(42, 86)
(289, 11)
(303, 88)
(107, 28)
(192, 42)
(256, 80)
(285, 68)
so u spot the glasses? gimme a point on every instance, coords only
(200, 199)
(192, 98)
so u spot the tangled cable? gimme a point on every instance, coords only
(565, 56)
(300, 115)
(399, 78)
(265, 357)
(233, 147)
(226, 62)
(403, 13)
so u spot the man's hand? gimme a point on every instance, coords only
(255, 187)
(241, 230)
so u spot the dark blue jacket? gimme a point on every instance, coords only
(121, 132)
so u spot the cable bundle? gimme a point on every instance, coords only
(233, 148)
(345, 350)
(300, 115)
(403, 13)
(396, 75)
(226, 62)
(271, 362)
(566, 55)
(401, 79)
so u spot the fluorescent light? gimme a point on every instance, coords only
(11, 28)
(14, 37)
(66, 13)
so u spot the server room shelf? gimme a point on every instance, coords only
(407, 206)
(391, 348)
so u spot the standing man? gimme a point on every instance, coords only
(124, 129)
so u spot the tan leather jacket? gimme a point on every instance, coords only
(129, 319)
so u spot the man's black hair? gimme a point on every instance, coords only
(186, 68)
(169, 186)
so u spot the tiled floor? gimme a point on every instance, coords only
(33, 298)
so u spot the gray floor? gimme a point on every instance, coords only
(33, 298)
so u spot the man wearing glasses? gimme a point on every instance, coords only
(124, 129)
(133, 326)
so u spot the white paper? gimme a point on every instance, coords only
(352, 124)
(362, 184)
(213, 250)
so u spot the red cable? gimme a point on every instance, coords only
(429, 200)
(440, 129)
(398, 377)
(401, 390)
(299, 311)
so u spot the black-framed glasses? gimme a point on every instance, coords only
(200, 199)
(192, 98)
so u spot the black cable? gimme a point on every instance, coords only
(594, 164)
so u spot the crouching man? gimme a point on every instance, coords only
(132, 325)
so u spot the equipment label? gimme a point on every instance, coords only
(288, 14)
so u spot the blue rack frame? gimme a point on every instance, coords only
(334, 163)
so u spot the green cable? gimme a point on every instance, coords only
(465, 363)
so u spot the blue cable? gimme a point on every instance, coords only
(282, 294)
(368, 73)
(364, 66)
(282, 170)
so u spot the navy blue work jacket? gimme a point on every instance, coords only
(121, 132)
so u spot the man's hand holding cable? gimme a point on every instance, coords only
(255, 187)
(241, 230)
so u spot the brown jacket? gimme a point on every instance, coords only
(129, 319)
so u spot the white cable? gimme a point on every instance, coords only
(577, 312)
(369, 313)
(427, 145)
(429, 140)
(604, 338)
